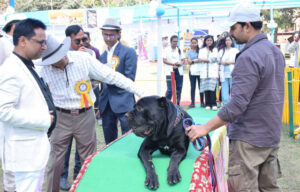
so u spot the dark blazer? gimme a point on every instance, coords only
(120, 100)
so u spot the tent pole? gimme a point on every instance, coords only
(272, 21)
(178, 26)
(159, 53)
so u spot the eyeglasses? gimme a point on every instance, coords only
(77, 41)
(109, 35)
(41, 42)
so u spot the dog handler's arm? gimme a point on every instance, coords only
(103, 73)
(196, 131)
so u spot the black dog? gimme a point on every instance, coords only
(160, 122)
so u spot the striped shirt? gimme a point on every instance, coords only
(81, 67)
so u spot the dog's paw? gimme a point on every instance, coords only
(152, 181)
(173, 176)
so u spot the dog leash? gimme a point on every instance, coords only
(200, 144)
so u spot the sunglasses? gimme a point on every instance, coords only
(109, 35)
(41, 42)
(77, 41)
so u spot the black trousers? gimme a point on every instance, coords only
(210, 98)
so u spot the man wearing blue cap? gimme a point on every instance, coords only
(254, 112)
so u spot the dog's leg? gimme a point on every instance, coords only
(173, 172)
(145, 152)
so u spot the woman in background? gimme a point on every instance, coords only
(227, 59)
(194, 72)
(208, 58)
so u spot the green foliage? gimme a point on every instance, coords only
(285, 18)
(33, 5)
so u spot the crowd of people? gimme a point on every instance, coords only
(210, 65)
(50, 93)
(49, 102)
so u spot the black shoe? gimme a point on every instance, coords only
(191, 105)
(202, 105)
(64, 184)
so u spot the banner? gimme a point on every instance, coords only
(102, 14)
(126, 16)
(66, 17)
(91, 18)
(142, 50)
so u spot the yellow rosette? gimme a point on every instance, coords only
(83, 88)
(115, 61)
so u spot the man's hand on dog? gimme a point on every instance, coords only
(196, 131)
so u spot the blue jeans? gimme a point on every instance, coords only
(226, 89)
(77, 166)
(110, 124)
(179, 82)
(193, 80)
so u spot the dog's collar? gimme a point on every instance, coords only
(179, 116)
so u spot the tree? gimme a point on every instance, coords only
(33, 5)
(285, 19)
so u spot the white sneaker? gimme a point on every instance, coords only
(100, 121)
(214, 108)
(207, 108)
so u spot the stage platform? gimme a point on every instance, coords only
(117, 168)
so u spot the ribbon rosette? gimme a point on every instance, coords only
(83, 88)
(115, 61)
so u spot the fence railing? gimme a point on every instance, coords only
(291, 108)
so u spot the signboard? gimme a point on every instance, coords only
(91, 18)
(66, 17)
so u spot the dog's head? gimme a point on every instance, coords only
(148, 115)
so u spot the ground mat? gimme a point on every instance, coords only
(117, 168)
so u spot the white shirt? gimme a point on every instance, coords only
(172, 56)
(81, 67)
(293, 49)
(6, 47)
(110, 54)
(208, 69)
(228, 56)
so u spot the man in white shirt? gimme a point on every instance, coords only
(68, 74)
(6, 48)
(75, 32)
(26, 110)
(173, 63)
(293, 48)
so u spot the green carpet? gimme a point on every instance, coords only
(117, 168)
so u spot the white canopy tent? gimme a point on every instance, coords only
(211, 7)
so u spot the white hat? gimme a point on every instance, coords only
(243, 12)
(13, 17)
(55, 51)
(111, 24)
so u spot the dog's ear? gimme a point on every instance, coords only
(162, 102)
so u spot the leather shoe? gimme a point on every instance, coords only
(192, 105)
(64, 184)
